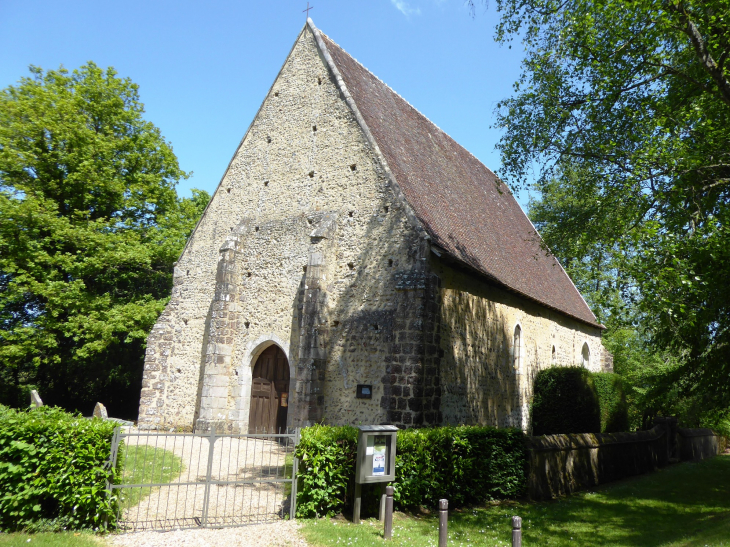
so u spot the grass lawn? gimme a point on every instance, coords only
(684, 505)
(50, 539)
(144, 465)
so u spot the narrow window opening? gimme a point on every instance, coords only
(304, 268)
(351, 214)
(256, 229)
(375, 326)
(390, 262)
(311, 174)
(353, 167)
(554, 357)
(188, 272)
(246, 324)
(517, 348)
(179, 370)
(335, 323)
(351, 265)
(276, 93)
(314, 128)
(309, 220)
(586, 355)
(266, 183)
(386, 208)
(185, 321)
(319, 80)
(248, 274)
(228, 190)
(236, 372)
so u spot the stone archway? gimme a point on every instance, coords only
(269, 392)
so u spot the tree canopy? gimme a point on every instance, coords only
(622, 112)
(90, 225)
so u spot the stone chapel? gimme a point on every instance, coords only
(358, 266)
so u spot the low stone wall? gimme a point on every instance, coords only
(561, 464)
(698, 444)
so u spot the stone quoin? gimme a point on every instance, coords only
(353, 248)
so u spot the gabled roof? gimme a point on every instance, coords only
(465, 209)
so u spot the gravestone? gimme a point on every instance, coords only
(100, 411)
(35, 399)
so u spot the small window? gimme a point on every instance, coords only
(517, 349)
(586, 355)
(554, 356)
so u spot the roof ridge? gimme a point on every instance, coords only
(401, 97)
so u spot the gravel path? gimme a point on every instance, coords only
(278, 534)
(234, 459)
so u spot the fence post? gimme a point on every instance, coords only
(388, 530)
(294, 471)
(516, 532)
(208, 475)
(112, 465)
(443, 522)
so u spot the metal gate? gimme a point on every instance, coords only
(174, 480)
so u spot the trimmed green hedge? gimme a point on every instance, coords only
(612, 401)
(466, 464)
(53, 469)
(575, 400)
(565, 400)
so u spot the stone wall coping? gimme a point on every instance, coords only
(579, 441)
(697, 432)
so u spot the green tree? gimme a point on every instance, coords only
(90, 224)
(626, 105)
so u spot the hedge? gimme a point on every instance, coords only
(565, 400)
(612, 402)
(466, 464)
(53, 470)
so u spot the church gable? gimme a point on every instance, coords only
(293, 249)
(334, 275)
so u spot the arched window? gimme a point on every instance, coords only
(586, 355)
(554, 356)
(517, 349)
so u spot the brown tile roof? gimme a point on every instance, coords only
(459, 201)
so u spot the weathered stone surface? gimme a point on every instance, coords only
(100, 411)
(307, 244)
(35, 399)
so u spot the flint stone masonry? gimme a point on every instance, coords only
(309, 244)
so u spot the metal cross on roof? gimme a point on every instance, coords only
(307, 10)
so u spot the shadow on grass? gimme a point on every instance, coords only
(683, 505)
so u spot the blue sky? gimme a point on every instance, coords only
(204, 67)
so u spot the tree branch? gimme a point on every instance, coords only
(700, 47)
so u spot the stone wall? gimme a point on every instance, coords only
(562, 464)
(476, 324)
(305, 245)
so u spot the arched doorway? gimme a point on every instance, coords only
(269, 392)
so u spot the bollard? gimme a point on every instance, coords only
(516, 532)
(388, 531)
(443, 522)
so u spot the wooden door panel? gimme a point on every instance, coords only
(270, 380)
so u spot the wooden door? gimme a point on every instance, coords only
(269, 392)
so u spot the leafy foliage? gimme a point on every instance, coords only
(53, 468)
(612, 402)
(466, 464)
(90, 225)
(565, 400)
(625, 108)
(326, 469)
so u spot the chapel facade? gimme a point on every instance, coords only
(357, 266)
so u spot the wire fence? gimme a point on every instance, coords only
(173, 480)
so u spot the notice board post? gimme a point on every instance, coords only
(375, 463)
